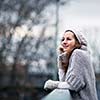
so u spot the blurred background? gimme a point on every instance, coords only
(30, 31)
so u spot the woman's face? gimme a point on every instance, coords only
(68, 41)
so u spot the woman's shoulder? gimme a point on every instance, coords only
(79, 52)
(81, 56)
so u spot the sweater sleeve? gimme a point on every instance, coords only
(75, 74)
(62, 65)
(61, 74)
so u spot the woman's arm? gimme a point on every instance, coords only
(62, 65)
(61, 74)
(76, 73)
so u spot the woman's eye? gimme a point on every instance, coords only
(62, 39)
(68, 39)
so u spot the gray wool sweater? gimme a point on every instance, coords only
(80, 76)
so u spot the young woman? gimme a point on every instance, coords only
(75, 68)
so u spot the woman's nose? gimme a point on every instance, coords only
(64, 42)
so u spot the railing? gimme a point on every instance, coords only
(58, 94)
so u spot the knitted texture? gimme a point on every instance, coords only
(62, 60)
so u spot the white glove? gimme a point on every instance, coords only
(50, 84)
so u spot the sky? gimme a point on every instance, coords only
(80, 12)
(76, 13)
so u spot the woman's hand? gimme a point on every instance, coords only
(60, 49)
(62, 58)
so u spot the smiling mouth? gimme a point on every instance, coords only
(65, 47)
